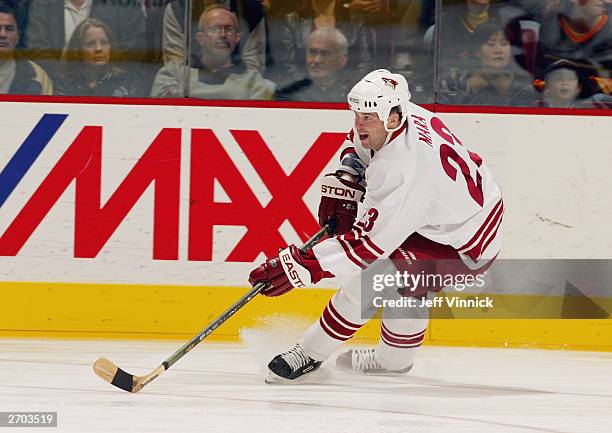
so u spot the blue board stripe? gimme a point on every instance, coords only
(28, 152)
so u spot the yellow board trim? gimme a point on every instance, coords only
(66, 310)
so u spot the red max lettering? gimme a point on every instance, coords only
(159, 167)
(94, 223)
(210, 162)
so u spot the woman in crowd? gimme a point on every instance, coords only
(88, 65)
(496, 81)
(459, 22)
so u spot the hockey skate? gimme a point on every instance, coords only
(291, 366)
(365, 361)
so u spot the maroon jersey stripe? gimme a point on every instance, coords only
(357, 234)
(372, 245)
(360, 250)
(486, 244)
(349, 254)
(482, 227)
(475, 251)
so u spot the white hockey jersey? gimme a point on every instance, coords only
(423, 181)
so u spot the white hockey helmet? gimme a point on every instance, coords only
(378, 92)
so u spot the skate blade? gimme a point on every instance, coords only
(389, 373)
(274, 379)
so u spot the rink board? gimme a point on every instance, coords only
(173, 205)
(175, 312)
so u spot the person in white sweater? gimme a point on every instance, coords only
(216, 74)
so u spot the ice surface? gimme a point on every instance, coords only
(219, 388)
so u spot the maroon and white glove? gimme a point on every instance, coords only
(292, 268)
(338, 205)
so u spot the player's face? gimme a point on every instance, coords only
(562, 85)
(495, 53)
(9, 36)
(96, 47)
(371, 130)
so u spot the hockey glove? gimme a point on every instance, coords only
(338, 205)
(292, 268)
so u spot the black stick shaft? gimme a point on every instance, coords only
(233, 309)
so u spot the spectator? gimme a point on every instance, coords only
(416, 66)
(252, 27)
(411, 19)
(457, 28)
(51, 23)
(292, 34)
(561, 86)
(379, 17)
(601, 100)
(326, 58)
(21, 9)
(535, 10)
(88, 65)
(217, 74)
(18, 76)
(410, 56)
(276, 9)
(496, 81)
(583, 36)
(153, 11)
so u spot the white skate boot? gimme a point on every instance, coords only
(365, 361)
(291, 366)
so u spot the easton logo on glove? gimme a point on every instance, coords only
(333, 186)
(292, 269)
(338, 206)
(334, 191)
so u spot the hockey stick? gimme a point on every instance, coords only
(112, 374)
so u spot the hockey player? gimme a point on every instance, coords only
(428, 201)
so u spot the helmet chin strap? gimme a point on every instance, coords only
(391, 131)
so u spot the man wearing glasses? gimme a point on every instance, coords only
(217, 73)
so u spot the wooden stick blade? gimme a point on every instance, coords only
(112, 374)
(141, 381)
